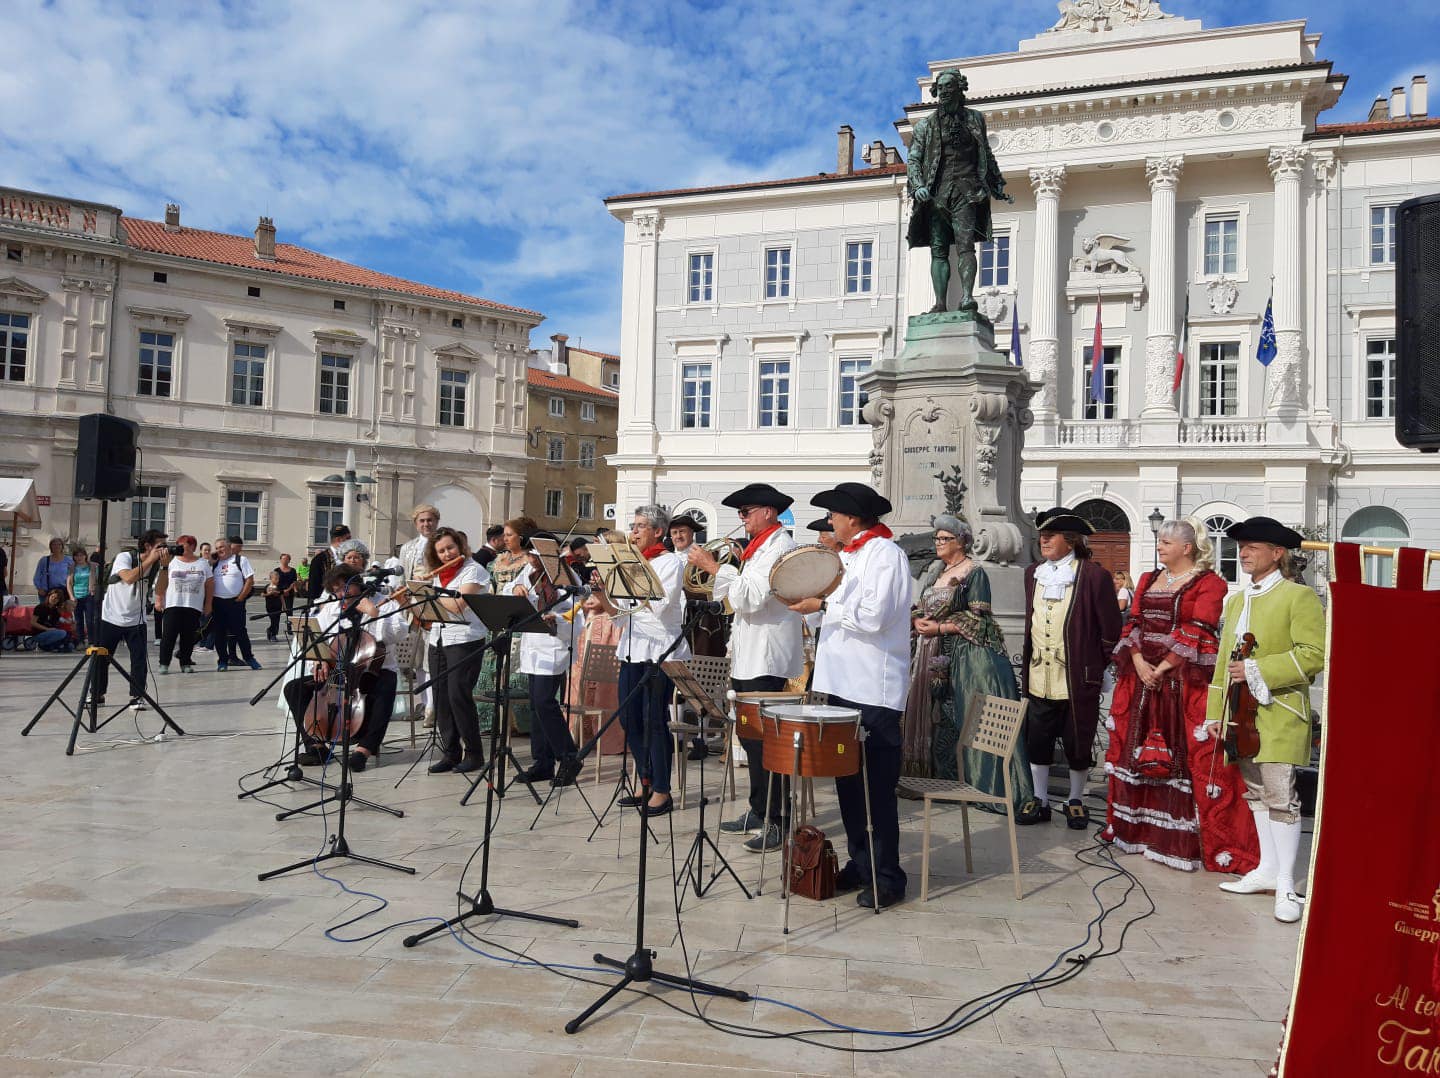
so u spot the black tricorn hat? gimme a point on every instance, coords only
(1061, 519)
(853, 499)
(685, 520)
(758, 494)
(1265, 530)
(821, 525)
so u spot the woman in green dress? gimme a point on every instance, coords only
(959, 652)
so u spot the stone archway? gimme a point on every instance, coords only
(1111, 541)
(460, 509)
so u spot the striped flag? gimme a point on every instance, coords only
(1015, 330)
(1097, 359)
(1180, 353)
(1266, 352)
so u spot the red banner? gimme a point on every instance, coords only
(1367, 983)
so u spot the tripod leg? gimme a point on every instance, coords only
(573, 1026)
(86, 687)
(787, 851)
(764, 829)
(83, 663)
(869, 827)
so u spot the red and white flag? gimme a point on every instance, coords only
(1180, 353)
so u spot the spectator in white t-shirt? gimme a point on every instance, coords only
(122, 612)
(231, 584)
(181, 597)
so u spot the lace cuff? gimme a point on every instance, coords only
(1258, 688)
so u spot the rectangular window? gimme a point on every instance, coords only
(995, 262)
(1382, 235)
(614, 380)
(1108, 406)
(453, 391)
(852, 397)
(157, 363)
(557, 407)
(775, 393)
(1380, 378)
(329, 511)
(587, 454)
(1222, 244)
(247, 375)
(14, 346)
(859, 267)
(702, 278)
(587, 411)
(242, 514)
(147, 510)
(1220, 378)
(160, 277)
(339, 306)
(585, 505)
(777, 273)
(554, 503)
(334, 384)
(253, 291)
(695, 392)
(555, 453)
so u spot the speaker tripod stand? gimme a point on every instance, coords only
(87, 711)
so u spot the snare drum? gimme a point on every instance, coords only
(807, 572)
(747, 710)
(829, 739)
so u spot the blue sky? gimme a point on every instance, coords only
(469, 145)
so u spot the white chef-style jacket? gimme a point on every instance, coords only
(541, 653)
(447, 634)
(645, 635)
(765, 637)
(864, 652)
(389, 630)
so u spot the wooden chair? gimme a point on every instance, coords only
(713, 674)
(601, 666)
(992, 725)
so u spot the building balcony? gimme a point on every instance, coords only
(1242, 432)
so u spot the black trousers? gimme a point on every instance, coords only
(379, 704)
(457, 724)
(274, 606)
(182, 624)
(550, 737)
(108, 636)
(228, 619)
(755, 758)
(1072, 721)
(646, 718)
(882, 763)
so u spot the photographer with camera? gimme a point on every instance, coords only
(182, 596)
(122, 611)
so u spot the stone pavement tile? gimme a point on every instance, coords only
(539, 1029)
(962, 1061)
(204, 1047)
(18, 980)
(1192, 1037)
(306, 1055)
(1227, 971)
(418, 978)
(685, 1040)
(1025, 1020)
(859, 1009)
(1269, 1004)
(37, 916)
(492, 982)
(745, 968)
(38, 1032)
(250, 965)
(240, 931)
(1092, 992)
(65, 1068)
(921, 919)
(429, 1060)
(123, 992)
(933, 1013)
(198, 900)
(1085, 1063)
(920, 980)
(591, 1067)
(343, 1014)
(829, 941)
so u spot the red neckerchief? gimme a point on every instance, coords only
(447, 575)
(753, 547)
(877, 532)
(650, 553)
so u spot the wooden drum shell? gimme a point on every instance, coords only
(747, 711)
(829, 747)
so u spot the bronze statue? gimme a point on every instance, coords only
(952, 178)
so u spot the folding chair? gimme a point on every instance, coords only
(601, 666)
(409, 653)
(713, 673)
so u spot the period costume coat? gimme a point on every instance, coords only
(927, 155)
(1087, 653)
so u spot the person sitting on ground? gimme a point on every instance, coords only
(45, 623)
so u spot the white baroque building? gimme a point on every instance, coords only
(1157, 168)
(251, 366)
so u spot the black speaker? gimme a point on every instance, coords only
(1417, 323)
(105, 457)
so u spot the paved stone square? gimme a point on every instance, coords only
(136, 940)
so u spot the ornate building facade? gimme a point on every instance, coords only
(1169, 179)
(251, 366)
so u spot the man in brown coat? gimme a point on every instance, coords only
(1072, 624)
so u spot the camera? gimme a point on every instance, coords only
(175, 550)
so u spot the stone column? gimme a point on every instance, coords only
(1283, 380)
(1044, 358)
(1164, 176)
(1323, 167)
(637, 329)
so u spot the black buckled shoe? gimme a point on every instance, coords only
(848, 879)
(1033, 811)
(1077, 816)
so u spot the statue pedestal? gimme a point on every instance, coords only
(948, 416)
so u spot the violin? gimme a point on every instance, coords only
(540, 580)
(1242, 731)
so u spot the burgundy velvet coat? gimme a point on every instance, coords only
(1092, 630)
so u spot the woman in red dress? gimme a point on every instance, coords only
(1173, 798)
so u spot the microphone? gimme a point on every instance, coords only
(577, 590)
(380, 572)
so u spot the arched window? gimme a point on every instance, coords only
(1377, 525)
(1227, 551)
(698, 513)
(1103, 516)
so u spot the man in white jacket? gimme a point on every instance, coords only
(863, 662)
(766, 648)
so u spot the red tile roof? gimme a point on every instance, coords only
(1377, 127)
(290, 261)
(821, 177)
(543, 379)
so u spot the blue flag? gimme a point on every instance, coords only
(1015, 330)
(1266, 352)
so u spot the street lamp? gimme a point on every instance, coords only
(353, 494)
(1156, 519)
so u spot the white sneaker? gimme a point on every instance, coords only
(1252, 883)
(1288, 907)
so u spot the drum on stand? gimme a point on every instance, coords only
(807, 572)
(828, 740)
(748, 706)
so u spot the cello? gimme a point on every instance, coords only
(1242, 733)
(360, 658)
